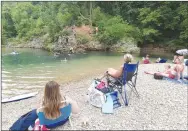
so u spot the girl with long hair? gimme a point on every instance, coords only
(53, 102)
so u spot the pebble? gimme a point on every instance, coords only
(162, 105)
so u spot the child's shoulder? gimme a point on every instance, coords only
(40, 109)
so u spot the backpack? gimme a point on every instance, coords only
(157, 76)
(24, 121)
(100, 85)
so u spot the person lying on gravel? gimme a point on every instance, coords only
(169, 72)
(53, 102)
(175, 72)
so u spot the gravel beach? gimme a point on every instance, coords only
(162, 105)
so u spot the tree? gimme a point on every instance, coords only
(146, 22)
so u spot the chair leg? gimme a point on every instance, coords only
(133, 88)
(130, 94)
(70, 121)
(136, 92)
(122, 97)
(125, 101)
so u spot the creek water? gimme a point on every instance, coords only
(30, 69)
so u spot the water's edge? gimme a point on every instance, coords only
(29, 70)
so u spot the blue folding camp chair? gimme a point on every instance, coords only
(65, 116)
(163, 61)
(129, 78)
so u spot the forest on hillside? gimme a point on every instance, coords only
(162, 22)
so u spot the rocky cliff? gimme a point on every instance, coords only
(67, 44)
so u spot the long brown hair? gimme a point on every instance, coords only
(52, 100)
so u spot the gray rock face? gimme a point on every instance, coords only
(67, 44)
(125, 46)
(36, 43)
(94, 46)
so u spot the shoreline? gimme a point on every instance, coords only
(162, 106)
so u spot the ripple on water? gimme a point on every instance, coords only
(41, 70)
(49, 66)
(5, 85)
(26, 86)
(8, 80)
(4, 75)
(38, 67)
(38, 77)
(6, 72)
(48, 71)
(5, 96)
(17, 91)
(28, 82)
(41, 81)
(34, 87)
(6, 92)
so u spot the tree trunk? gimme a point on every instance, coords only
(90, 13)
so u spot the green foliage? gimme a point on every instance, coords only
(183, 12)
(148, 34)
(97, 16)
(148, 17)
(8, 27)
(82, 39)
(144, 21)
(114, 30)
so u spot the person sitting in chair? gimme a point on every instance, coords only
(116, 79)
(118, 73)
(53, 102)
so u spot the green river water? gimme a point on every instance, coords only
(29, 70)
